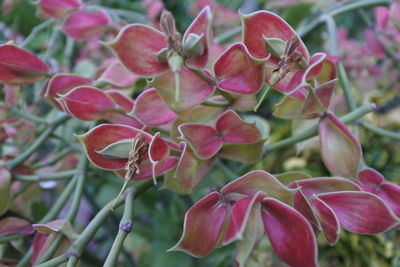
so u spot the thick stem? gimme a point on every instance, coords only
(381, 132)
(124, 229)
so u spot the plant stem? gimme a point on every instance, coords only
(124, 229)
(215, 104)
(228, 172)
(313, 131)
(55, 158)
(45, 176)
(51, 250)
(80, 177)
(340, 9)
(28, 116)
(382, 132)
(228, 35)
(35, 31)
(37, 143)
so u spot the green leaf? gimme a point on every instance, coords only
(117, 150)
(5, 183)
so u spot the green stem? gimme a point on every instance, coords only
(228, 172)
(161, 130)
(228, 35)
(84, 238)
(37, 143)
(28, 116)
(177, 76)
(124, 229)
(55, 158)
(265, 90)
(381, 132)
(45, 176)
(80, 177)
(51, 250)
(340, 9)
(35, 31)
(313, 131)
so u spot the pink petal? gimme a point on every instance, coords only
(324, 185)
(20, 67)
(117, 75)
(151, 110)
(374, 182)
(264, 24)
(203, 139)
(14, 225)
(382, 17)
(238, 72)
(201, 25)
(291, 236)
(240, 213)
(360, 212)
(203, 226)
(122, 100)
(193, 90)
(103, 135)
(58, 8)
(235, 130)
(87, 103)
(137, 46)
(61, 84)
(189, 172)
(255, 181)
(340, 149)
(84, 25)
(302, 205)
(327, 219)
(291, 84)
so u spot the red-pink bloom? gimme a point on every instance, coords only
(84, 25)
(247, 210)
(116, 75)
(58, 8)
(108, 146)
(20, 67)
(206, 141)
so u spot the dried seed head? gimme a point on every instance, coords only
(138, 151)
(168, 27)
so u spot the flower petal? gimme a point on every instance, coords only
(87, 103)
(137, 46)
(263, 24)
(103, 135)
(58, 8)
(340, 149)
(235, 130)
(238, 72)
(117, 75)
(61, 84)
(151, 110)
(193, 90)
(291, 236)
(121, 99)
(201, 26)
(15, 225)
(84, 25)
(203, 139)
(203, 226)
(255, 181)
(360, 212)
(19, 67)
(240, 213)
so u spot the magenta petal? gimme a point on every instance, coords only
(264, 24)
(360, 212)
(149, 170)
(328, 221)
(151, 110)
(340, 149)
(240, 213)
(58, 8)
(203, 139)
(125, 102)
(19, 67)
(61, 84)
(203, 226)
(158, 152)
(84, 25)
(137, 46)
(15, 225)
(291, 236)
(324, 185)
(302, 205)
(193, 90)
(235, 130)
(117, 75)
(201, 26)
(87, 103)
(374, 182)
(238, 72)
(255, 181)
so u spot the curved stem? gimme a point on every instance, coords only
(265, 90)
(35, 31)
(215, 104)
(28, 116)
(381, 132)
(45, 176)
(124, 229)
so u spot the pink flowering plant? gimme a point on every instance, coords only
(233, 138)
